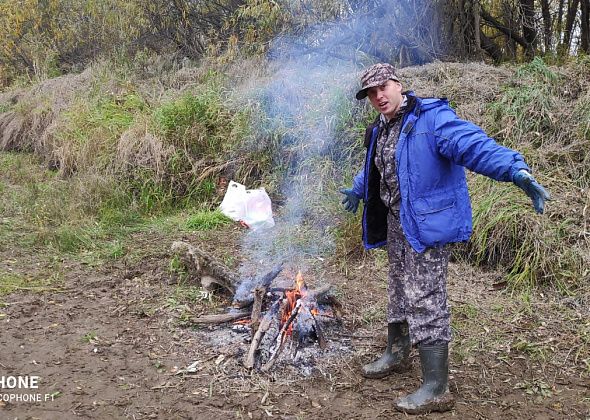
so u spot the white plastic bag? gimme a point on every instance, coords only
(253, 207)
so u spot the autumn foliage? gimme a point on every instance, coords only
(44, 38)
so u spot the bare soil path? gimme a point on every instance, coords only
(108, 342)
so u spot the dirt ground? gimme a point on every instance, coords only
(110, 341)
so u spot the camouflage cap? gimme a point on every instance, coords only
(376, 75)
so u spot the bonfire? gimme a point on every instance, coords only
(281, 320)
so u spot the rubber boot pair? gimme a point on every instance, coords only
(434, 393)
(396, 356)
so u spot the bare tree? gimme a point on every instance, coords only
(189, 26)
(547, 25)
(527, 9)
(508, 30)
(585, 26)
(572, 10)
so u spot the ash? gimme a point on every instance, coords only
(234, 341)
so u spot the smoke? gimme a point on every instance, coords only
(307, 97)
(301, 104)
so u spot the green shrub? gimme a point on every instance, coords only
(177, 116)
(528, 107)
(104, 114)
(200, 124)
(529, 247)
(207, 220)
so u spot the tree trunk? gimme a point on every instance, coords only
(512, 21)
(559, 26)
(469, 26)
(585, 26)
(476, 24)
(569, 24)
(527, 8)
(547, 25)
(491, 48)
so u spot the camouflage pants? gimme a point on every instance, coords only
(417, 287)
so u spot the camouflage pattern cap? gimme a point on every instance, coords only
(376, 75)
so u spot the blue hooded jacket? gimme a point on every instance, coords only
(433, 147)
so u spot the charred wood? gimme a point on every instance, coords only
(259, 293)
(319, 293)
(319, 333)
(244, 295)
(280, 338)
(265, 324)
(304, 327)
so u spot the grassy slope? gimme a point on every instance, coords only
(131, 143)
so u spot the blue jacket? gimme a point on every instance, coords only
(433, 147)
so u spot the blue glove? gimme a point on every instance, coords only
(524, 180)
(351, 201)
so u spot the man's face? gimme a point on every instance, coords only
(386, 98)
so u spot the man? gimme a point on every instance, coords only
(416, 202)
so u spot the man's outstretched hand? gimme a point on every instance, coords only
(524, 180)
(350, 201)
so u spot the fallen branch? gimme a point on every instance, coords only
(221, 318)
(205, 268)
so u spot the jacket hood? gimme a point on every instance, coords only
(426, 104)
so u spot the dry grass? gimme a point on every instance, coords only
(543, 112)
(469, 86)
(27, 124)
(139, 148)
(108, 123)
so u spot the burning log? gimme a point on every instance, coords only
(280, 339)
(319, 333)
(297, 320)
(245, 292)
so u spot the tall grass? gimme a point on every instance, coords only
(125, 148)
(533, 115)
(165, 153)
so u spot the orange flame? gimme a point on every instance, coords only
(293, 295)
(299, 283)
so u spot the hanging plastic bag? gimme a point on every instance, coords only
(253, 207)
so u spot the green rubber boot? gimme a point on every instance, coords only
(396, 356)
(434, 393)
